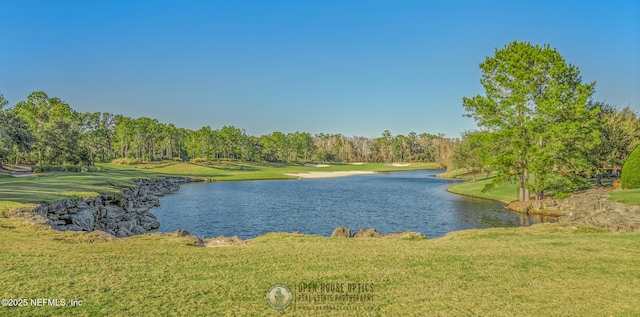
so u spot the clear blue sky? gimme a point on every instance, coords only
(350, 67)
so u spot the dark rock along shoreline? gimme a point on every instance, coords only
(119, 216)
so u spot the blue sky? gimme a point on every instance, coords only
(350, 67)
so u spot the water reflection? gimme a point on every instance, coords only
(389, 202)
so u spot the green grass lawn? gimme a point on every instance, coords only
(508, 193)
(505, 193)
(627, 196)
(537, 271)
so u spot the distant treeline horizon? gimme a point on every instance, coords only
(47, 130)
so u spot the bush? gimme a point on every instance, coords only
(126, 161)
(198, 160)
(631, 170)
(91, 169)
(176, 159)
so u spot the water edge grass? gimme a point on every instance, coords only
(538, 271)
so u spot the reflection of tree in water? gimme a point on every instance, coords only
(524, 220)
(483, 213)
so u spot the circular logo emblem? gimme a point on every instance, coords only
(279, 296)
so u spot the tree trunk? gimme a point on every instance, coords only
(524, 191)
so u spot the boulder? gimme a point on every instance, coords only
(138, 230)
(181, 233)
(129, 224)
(123, 233)
(407, 234)
(114, 212)
(341, 232)
(42, 210)
(74, 227)
(60, 206)
(85, 219)
(149, 222)
(126, 215)
(222, 241)
(367, 233)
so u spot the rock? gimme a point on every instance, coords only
(57, 223)
(124, 216)
(149, 223)
(65, 217)
(123, 233)
(82, 204)
(341, 232)
(222, 241)
(85, 219)
(405, 235)
(592, 208)
(129, 225)
(60, 205)
(114, 212)
(367, 233)
(138, 230)
(42, 210)
(74, 227)
(181, 233)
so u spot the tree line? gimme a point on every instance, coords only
(46, 130)
(539, 126)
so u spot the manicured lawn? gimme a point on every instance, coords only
(538, 271)
(627, 196)
(505, 193)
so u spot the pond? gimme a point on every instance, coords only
(389, 202)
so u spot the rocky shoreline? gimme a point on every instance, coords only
(590, 208)
(120, 216)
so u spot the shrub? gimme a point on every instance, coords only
(561, 195)
(176, 159)
(126, 161)
(198, 160)
(631, 170)
(91, 169)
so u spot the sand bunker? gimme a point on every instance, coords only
(399, 165)
(328, 174)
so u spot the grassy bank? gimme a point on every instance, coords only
(508, 193)
(627, 196)
(505, 193)
(542, 270)
(16, 192)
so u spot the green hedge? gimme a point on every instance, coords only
(631, 170)
(64, 168)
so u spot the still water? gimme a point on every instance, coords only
(389, 202)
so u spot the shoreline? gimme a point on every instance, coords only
(333, 174)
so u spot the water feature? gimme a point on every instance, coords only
(389, 202)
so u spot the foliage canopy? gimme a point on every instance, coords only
(535, 115)
(631, 170)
